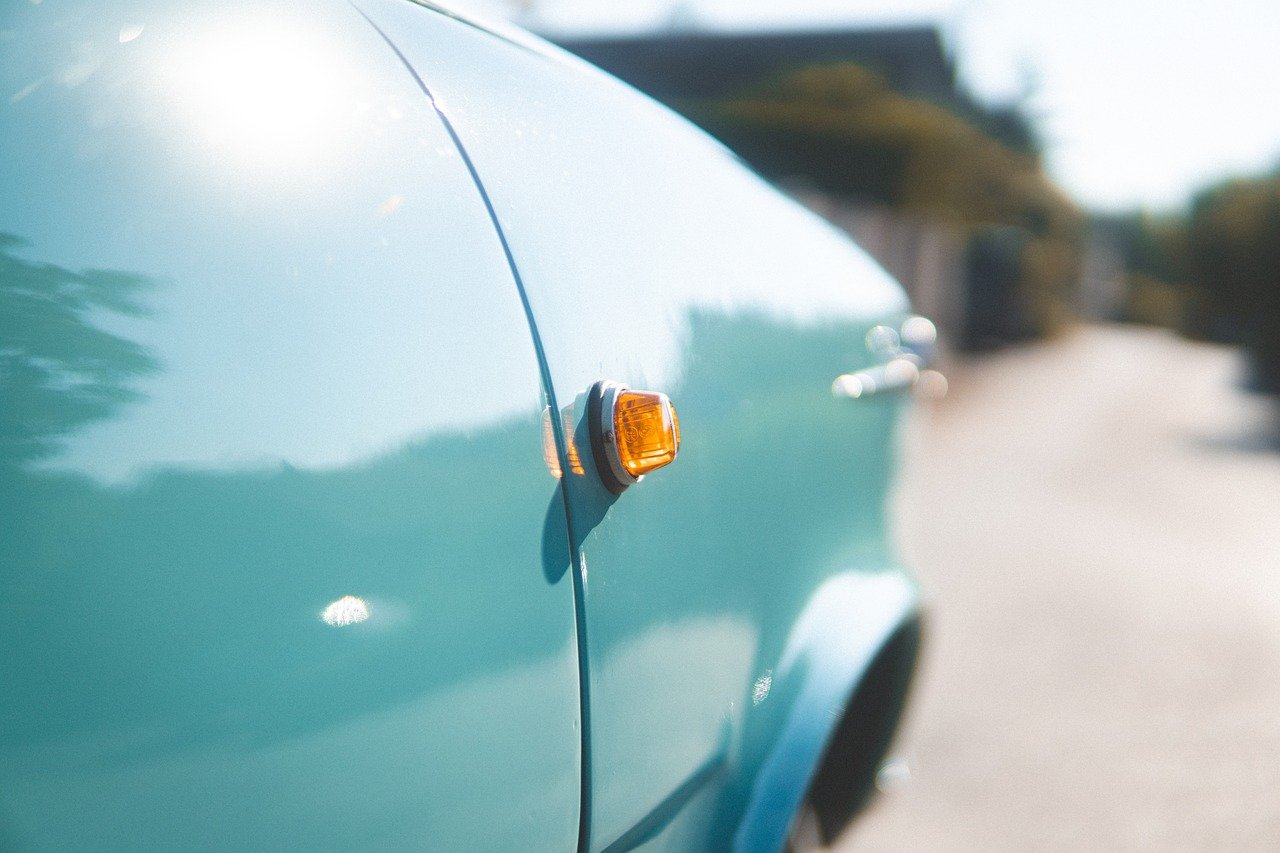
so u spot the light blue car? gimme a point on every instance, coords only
(332, 515)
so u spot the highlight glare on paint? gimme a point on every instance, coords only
(760, 691)
(347, 610)
(269, 90)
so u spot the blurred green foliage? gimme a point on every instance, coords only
(60, 369)
(1232, 261)
(1213, 272)
(977, 172)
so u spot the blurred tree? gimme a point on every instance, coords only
(1153, 253)
(1232, 259)
(847, 130)
(1212, 273)
(58, 370)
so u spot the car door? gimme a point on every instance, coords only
(282, 561)
(652, 258)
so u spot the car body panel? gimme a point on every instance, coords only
(649, 256)
(282, 563)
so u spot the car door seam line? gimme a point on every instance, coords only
(584, 823)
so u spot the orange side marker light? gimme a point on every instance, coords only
(632, 433)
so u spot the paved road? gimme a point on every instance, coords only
(1097, 526)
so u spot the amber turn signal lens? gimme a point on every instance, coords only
(646, 430)
(632, 433)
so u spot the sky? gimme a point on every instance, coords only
(1141, 102)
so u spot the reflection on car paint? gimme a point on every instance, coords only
(256, 593)
(281, 550)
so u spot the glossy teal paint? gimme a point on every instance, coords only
(729, 602)
(260, 352)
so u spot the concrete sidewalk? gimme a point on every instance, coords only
(1096, 523)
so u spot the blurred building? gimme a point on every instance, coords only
(870, 128)
(678, 66)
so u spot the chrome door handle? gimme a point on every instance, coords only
(905, 353)
(897, 374)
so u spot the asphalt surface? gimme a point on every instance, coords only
(1096, 524)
